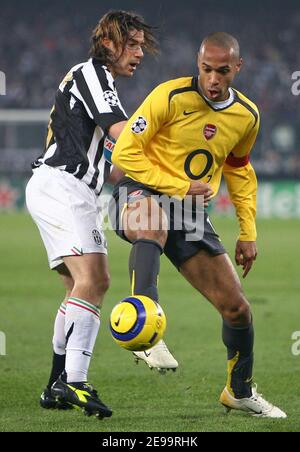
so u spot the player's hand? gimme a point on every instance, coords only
(199, 188)
(245, 255)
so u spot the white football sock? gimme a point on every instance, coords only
(82, 324)
(59, 337)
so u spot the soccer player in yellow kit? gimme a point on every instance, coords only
(186, 134)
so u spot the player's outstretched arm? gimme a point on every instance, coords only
(242, 187)
(241, 180)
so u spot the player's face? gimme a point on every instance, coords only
(217, 69)
(128, 59)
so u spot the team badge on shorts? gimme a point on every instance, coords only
(135, 194)
(139, 125)
(209, 131)
(111, 98)
(97, 237)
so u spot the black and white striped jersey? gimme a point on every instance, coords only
(86, 106)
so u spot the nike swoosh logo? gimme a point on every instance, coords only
(118, 321)
(87, 354)
(249, 380)
(147, 354)
(187, 113)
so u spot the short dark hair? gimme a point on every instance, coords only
(116, 25)
(223, 40)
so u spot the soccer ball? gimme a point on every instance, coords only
(137, 323)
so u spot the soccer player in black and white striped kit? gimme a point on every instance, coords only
(61, 197)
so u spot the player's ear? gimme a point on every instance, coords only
(239, 65)
(198, 60)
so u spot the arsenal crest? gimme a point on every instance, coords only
(209, 131)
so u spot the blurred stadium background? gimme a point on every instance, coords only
(44, 39)
(39, 42)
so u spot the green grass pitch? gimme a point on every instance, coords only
(143, 400)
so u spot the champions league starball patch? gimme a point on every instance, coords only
(139, 125)
(111, 98)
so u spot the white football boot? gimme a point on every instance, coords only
(158, 357)
(255, 405)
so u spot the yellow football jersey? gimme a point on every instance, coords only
(176, 137)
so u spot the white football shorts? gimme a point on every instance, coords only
(66, 212)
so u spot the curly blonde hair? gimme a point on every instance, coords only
(116, 25)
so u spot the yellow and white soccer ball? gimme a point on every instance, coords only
(137, 323)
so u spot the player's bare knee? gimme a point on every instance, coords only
(155, 229)
(105, 283)
(161, 237)
(93, 287)
(102, 285)
(156, 236)
(238, 314)
(146, 221)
